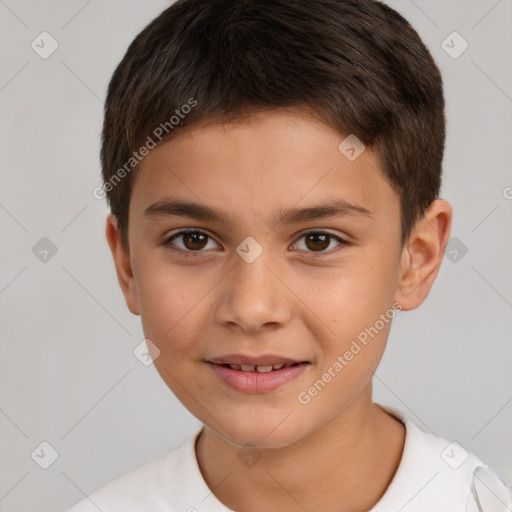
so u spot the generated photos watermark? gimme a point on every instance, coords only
(305, 397)
(156, 136)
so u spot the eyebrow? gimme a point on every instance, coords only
(335, 208)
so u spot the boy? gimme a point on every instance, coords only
(273, 170)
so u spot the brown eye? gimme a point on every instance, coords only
(318, 241)
(194, 241)
(189, 242)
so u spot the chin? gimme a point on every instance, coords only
(271, 432)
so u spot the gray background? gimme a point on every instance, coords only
(68, 375)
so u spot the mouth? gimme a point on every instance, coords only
(261, 368)
(257, 374)
(265, 363)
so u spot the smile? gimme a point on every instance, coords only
(257, 378)
(259, 368)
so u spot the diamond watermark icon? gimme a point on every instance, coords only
(454, 455)
(44, 45)
(455, 249)
(454, 45)
(44, 250)
(146, 352)
(249, 249)
(249, 455)
(351, 147)
(44, 455)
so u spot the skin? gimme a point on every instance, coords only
(340, 450)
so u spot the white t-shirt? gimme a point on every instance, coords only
(434, 475)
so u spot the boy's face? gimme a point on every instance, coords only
(304, 298)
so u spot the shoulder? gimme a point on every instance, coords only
(437, 474)
(147, 487)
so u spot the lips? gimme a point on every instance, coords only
(261, 368)
(259, 364)
(262, 374)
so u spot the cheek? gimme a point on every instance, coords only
(357, 309)
(346, 370)
(170, 300)
(351, 300)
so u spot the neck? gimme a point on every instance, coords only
(344, 465)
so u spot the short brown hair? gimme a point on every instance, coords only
(358, 64)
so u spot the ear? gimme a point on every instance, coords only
(423, 254)
(123, 265)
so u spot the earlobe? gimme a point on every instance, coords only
(423, 254)
(123, 265)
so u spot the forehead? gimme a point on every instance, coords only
(264, 163)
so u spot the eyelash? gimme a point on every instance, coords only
(194, 254)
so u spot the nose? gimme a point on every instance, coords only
(254, 296)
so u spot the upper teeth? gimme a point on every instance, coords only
(258, 368)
